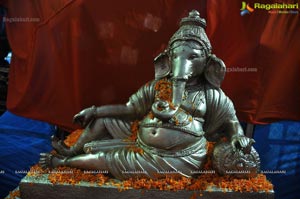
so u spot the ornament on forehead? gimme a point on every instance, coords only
(192, 28)
(190, 43)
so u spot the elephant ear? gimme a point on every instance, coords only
(161, 65)
(215, 71)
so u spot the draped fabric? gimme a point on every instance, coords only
(146, 164)
(142, 100)
(261, 51)
(220, 111)
(71, 54)
(21, 142)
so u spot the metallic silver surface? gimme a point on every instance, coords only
(240, 163)
(173, 127)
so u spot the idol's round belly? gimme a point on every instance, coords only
(167, 139)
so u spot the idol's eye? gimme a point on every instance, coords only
(193, 56)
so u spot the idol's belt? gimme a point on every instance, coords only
(198, 145)
(192, 127)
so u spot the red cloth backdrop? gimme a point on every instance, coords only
(78, 53)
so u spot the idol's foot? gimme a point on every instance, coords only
(61, 148)
(48, 160)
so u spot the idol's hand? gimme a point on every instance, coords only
(241, 142)
(84, 117)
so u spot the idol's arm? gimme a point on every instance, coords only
(235, 132)
(139, 105)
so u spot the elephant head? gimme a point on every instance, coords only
(186, 61)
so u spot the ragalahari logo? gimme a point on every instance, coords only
(246, 9)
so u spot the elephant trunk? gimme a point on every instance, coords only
(164, 110)
(178, 89)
